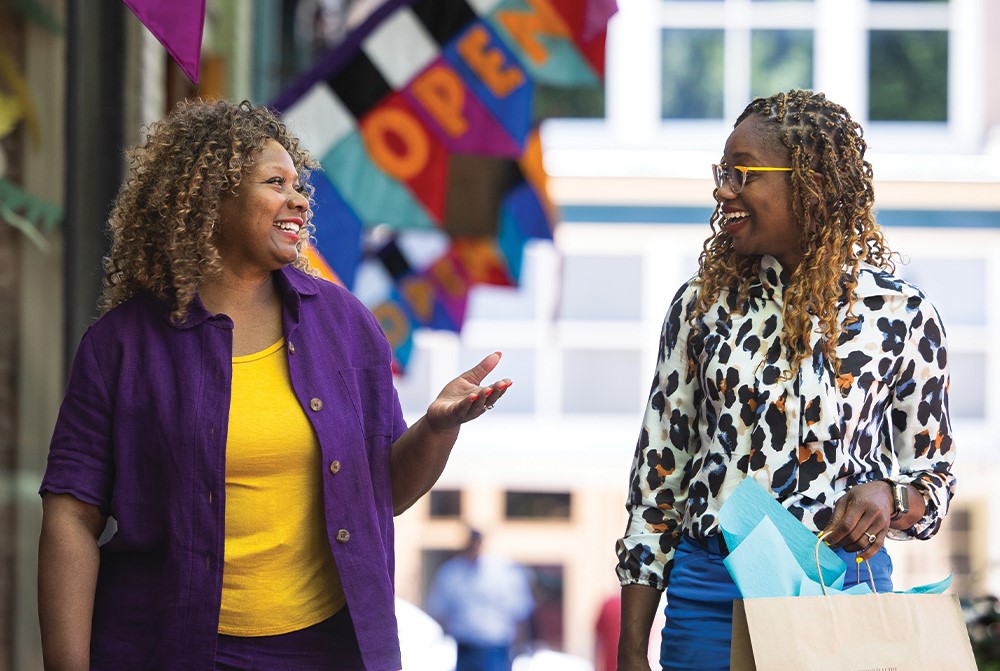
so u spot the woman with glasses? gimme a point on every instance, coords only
(794, 357)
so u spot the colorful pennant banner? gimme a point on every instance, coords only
(422, 121)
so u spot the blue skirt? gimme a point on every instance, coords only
(699, 612)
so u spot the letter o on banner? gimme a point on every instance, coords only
(394, 323)
(397, 142)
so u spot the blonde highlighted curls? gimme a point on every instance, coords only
(832, 198)
(166, 212)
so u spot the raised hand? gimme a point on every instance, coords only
(465, 398)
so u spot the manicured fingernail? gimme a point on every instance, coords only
(475, 396)
(489, 390)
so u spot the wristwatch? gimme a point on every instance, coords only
(900, 497)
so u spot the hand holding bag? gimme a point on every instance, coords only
(872, 632)
(801, 621)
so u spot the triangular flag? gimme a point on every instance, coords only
(178, 25)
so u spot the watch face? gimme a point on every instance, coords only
(902, 498)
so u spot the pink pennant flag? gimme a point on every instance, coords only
(178, 25)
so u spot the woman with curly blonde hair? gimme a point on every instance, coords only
(230, 452)
(164, 220)
(794, 357)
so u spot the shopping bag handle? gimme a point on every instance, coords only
(819, 570)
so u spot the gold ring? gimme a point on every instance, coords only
(871, 537)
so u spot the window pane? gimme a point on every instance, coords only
(908, 75)
(601, 287)
(561, 102)
(445, 503)
(537, 505)
(692, 79)
(956, 287)
(780, 60)
(967, 392)
(602, 381)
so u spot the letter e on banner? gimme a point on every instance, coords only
(489, 63)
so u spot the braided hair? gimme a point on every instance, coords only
(165, 215)
(831, 199)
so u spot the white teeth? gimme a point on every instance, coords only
(288, 226)
(729, 217)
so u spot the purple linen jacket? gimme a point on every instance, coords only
(141, 434)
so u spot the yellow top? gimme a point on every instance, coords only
(279, 574)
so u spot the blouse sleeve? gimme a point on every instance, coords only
(659, 479)
(80, 460)
(922, 439)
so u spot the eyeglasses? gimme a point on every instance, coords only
(735, 176)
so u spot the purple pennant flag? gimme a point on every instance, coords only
(178, 25)
(596, 18)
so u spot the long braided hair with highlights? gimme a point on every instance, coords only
(164, 218)
(831, 199)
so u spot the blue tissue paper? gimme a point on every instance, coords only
(772, 554)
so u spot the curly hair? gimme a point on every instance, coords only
(831, 199)
(166, 212)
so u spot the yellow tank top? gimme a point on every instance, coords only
(279, 575)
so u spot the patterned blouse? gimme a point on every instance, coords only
(720, 409)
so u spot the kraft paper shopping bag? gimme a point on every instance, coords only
(875, 632)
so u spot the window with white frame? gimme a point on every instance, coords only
(680, 71)
(717, 55)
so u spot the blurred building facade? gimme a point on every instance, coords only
(548, 472)
(545, 474)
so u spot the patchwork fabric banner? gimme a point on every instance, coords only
(431, 169)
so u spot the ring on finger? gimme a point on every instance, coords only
(488, 407)
(871, 538)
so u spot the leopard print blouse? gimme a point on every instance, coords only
(720, 408)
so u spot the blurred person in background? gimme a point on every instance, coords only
(794, 357)
(607, 629)
(480, 601)
(230, 424)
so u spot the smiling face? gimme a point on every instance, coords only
(261, 224)
(759, 219)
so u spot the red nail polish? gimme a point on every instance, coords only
(475, 397)
(489, 390)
